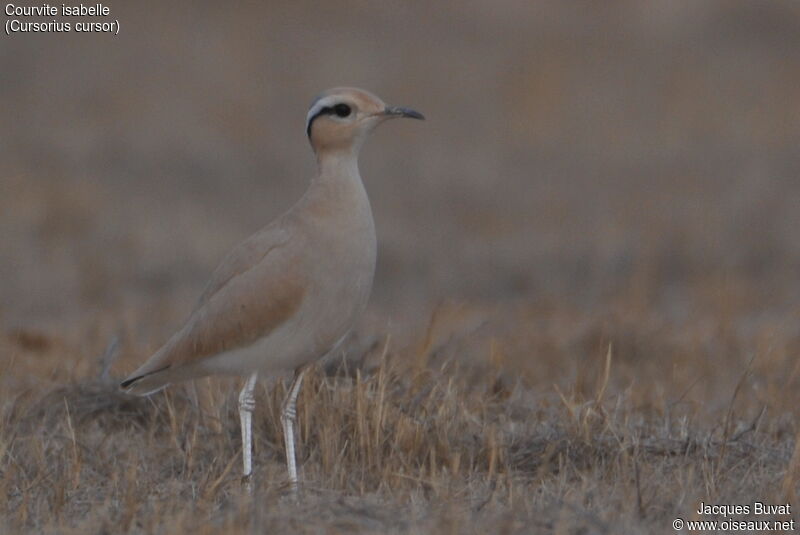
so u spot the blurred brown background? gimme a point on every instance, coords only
(595, 178)
(574, 152)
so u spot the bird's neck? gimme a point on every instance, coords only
(337, 191)
(337, 165)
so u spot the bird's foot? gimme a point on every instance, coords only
(291, 492)
(247, 483)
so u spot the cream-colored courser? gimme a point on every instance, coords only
(288, 294)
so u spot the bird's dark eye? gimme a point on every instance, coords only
(341, 110)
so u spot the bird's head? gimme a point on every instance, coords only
(341, 118)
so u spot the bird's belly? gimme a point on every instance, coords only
(336, 296)
(335, 307)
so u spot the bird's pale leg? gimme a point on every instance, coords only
(247, 403)
(288, 418)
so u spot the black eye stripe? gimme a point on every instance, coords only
(323, 111)
(339, 110)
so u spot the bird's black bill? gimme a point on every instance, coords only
(403, 112)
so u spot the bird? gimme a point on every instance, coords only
(289, 294)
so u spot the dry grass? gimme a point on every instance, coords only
(420, 438)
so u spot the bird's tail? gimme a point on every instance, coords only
(145, 383)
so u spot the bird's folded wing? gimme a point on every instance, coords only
(254, 291)
(244, 257)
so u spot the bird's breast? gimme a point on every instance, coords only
(340, 251)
